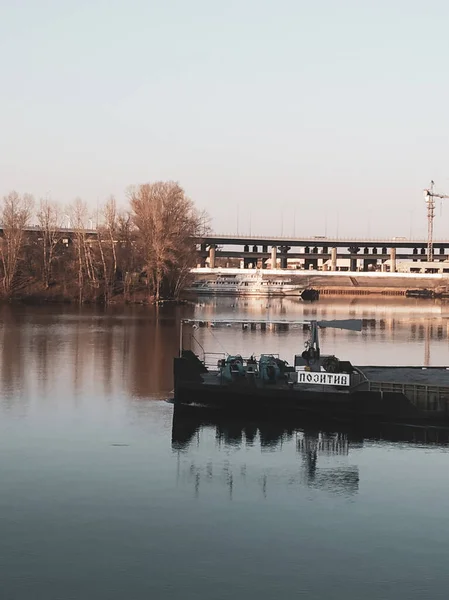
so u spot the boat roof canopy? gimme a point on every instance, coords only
(350, 324)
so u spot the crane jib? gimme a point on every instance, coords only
(430, 196)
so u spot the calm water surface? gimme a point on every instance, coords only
(107, 494)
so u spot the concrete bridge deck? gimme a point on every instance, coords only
(313, 251)
(317, 240)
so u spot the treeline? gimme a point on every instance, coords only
(143, 252)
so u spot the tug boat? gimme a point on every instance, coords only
(315, 384)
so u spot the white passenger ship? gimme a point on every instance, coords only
(246, 284)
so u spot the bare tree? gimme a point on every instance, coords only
(186, 255)
(107, 239)
(126, 251)
(86, 267)
(15, 216)
(167, 222)
(78, 213)
(110, 219)
(155, 236)
(49, 218)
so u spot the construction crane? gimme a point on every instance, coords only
(430, 196)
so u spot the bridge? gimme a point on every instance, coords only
(314, 251)
(308, 252)
(69, 231)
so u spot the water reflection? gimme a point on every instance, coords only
(295, 453)
(395, 330)
(105, 490)
(416, 318)
(59, 351)
(304, 453)
(70, 351)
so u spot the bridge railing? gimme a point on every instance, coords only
(318, 239)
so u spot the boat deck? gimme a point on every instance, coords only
(434, 376)
(420, 376)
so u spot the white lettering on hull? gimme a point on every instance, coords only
(323, 378)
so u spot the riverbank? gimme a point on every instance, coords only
(347, 283)
(36, 294)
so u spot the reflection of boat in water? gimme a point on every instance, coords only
(309, 444)
(309, 452)
(247, 283)
(331, 437)
(316, 384)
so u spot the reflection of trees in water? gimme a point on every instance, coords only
(62, 351)
(153, 344)
(132, 349)
(81, 351)
(12, 359)
(107, 355)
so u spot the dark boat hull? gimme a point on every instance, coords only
(332, 405)
(240, 397)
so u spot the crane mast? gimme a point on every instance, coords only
(430, 196)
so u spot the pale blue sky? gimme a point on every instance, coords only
(325, 107)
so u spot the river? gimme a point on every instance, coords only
(107, 494)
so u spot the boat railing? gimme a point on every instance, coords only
(435, 396)
(211, 359)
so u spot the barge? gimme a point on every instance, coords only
(315, 384)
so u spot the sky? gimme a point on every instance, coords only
(289, 117)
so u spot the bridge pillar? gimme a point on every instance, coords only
(212, 257)
(333, 259)
(284, 262)
(393, 260)
(353, 259)
(311, 264)
(368, 262)
(273, 257)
